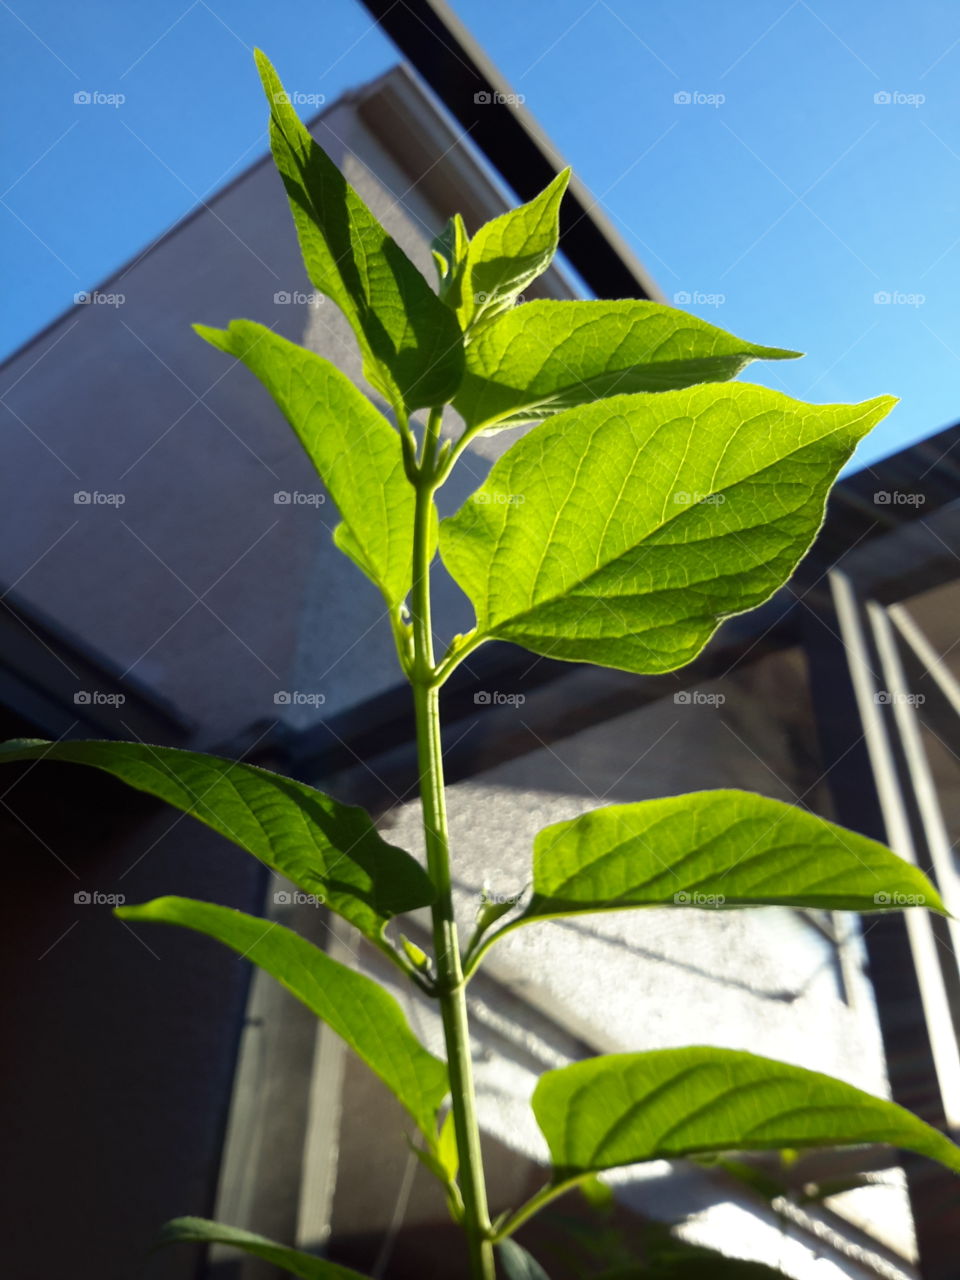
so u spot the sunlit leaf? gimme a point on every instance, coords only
(712, 849)
(411, 342)
(544, 357)
(626, 1108)
(509, 253)
(622, 533)
(355, 450)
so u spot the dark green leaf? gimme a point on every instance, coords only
(544, 357)
(412, 346)
(328, 849)
(355, 450)
(304, 1265)
(625, 1108)
(622, 533)
(358, 1009)
(517, 1264)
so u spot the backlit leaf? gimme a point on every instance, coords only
(623, 532)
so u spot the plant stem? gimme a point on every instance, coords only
(450, 983)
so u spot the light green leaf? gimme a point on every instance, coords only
(509, 253)
(356, 452)
(328, 849)
(450, 256)
(544, 357)
(304, 1265)
(716, 848)
(626, 1108)
(622, 533)
(517, 1264)
(358, 1009)
(411, 343)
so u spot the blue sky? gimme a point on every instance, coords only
(813, 172)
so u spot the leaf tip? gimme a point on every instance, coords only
(219, 338)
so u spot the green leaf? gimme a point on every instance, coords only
(411, 343)
(450, 255)
(716, 848)
(358, 1009)
(356, 452)
(509, 253)
(626, 1108)
(328, 849)
(622, 533)
(544, 357)
(203, 1231)
(517, 1264)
